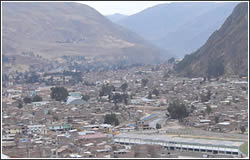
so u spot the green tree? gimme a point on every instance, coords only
(124, 86)
(117, 98)
(106, 90)
(206, 97)
(37, 98)
(111, 119)
(192, 108)
(59, 93)
(144, 82)
(27, 100)
(177, 110)
(77, 77)
(85, 97)
(19, 104)
(208, 109)
(216, 119)
(156, 92)
(150, 95)
(158, 126)
(125, 98)
(32, 78)
(242, 129)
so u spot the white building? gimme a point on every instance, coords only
(38, 129)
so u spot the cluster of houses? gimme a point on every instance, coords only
(75, 128)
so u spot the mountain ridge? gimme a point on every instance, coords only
(116, 17)
(225, 52)
(175, 26)
(56, 29)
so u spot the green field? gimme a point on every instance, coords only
(244, 148)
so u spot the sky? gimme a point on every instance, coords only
(122, 7)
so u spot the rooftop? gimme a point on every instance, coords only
(183, 140)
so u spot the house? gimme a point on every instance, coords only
(8, 140)
(13, 129)
(64, 150)
(39, 103)
(38, 129)
(59, 127)
(31, 93)
(75, 94)
(75, 98)
(76, 101)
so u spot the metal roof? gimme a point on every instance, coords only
(166, 138)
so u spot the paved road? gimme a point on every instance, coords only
(198, 132)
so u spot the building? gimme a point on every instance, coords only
(36, 104)
(60, 127)
(75, 94)
(76, 101)
(13, 129)
(38, 129)
(75, 98)
(182, 144)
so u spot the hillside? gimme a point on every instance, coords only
(180, 27)
(52, 30)
(226, 50)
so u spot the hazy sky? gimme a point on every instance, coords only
(122, 7)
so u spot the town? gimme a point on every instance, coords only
(144, 111)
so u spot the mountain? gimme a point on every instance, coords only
(56, 29)
(116, 17)
(225, 52)
(180, 27)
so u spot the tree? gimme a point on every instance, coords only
(158, 126)
(192, 108)
(106, 90)
(144, 82)
(111, 119)
(32, 78)
(19, 104)
(77, 77)
(27, 100)
(55, 117)
(85, 97)
(177, 110)
(242, 129)
(37, 98)
(124, 86)
(125, 99)
(59, 93)
(117, 98)
(208, 109)
(149, 95)
(156, 92)
(205, 98)
(216, 119)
